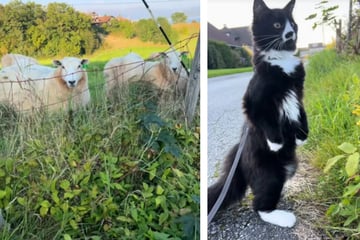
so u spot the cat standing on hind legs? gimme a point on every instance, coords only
(275, 118)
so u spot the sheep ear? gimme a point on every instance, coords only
(57, 63)
(162, 54)
(84, 61)
(184, 53)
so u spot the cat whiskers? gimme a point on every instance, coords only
(273, 44)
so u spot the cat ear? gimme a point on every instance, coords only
(290, 6)
(259, 6)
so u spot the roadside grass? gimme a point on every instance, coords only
(331, 94)
(222, 72)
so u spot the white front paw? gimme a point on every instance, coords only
(279, 217)
(300, 142)
(274, 146)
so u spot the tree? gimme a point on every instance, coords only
(178, 17)
(148, 31)
(349, 40)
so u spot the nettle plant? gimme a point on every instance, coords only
(348, 208)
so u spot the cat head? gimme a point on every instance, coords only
(274, 29)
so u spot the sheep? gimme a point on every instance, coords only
(17, 59)
(132, 67)
(121, 70)
(173, 60)
(159, 73)
(36, 86)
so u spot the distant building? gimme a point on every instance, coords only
(234, 37)
(100, 20)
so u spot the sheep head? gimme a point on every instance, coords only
(172, 59)
(71, 70)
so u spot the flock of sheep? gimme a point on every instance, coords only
(26, 85)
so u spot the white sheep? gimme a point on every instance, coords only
(173, 60)
(133, 68)
(36, 86)
(159, 74)
(122, 70)
(17, 59)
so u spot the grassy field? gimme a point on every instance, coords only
(122, 168)
(222, 72)
(332, 94)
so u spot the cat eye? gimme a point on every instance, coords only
(277, 25)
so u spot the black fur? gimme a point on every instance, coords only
(264, 170)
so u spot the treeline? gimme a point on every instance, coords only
(145, 29)
(221, 55)
(58, 29)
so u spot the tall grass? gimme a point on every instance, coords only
(122, 168)
(332, 90)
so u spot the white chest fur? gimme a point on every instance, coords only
(284, 59)
(290, 107)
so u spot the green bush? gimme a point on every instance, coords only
(221, 56)
(116, 170)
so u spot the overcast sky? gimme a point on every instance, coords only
(238, 13)
(132, 9)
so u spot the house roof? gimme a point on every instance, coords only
(237, 37)
(101, 19)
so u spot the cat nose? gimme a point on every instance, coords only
(289, 35)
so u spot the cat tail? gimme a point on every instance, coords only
(237, 186)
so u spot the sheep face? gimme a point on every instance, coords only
(71, 70)
(173, 60)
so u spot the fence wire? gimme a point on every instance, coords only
(184, 43)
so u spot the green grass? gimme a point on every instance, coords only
(331, 93)
(122, 168)
(222, 72)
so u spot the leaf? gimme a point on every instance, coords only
(352, 164)
(65, 185)
(351, 190)
(312, 16)
(159, 200)
(21, 201)
(45, 203)
(152, 174)
(124, 219)
(331, 162)
(159, 190)
(67, 237)
(161, 236)
(350, 219)
(43, 211)
(2, 194)
(134, 214)
(347, 148)
(69, 195)
(73, 224)
(163, 217)
(178, 172)
(2, 173)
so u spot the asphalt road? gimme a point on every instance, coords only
(225, 119)
(225, 116)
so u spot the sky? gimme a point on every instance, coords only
(238, 13)
(132, 9)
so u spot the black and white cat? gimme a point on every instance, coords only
(275, 117)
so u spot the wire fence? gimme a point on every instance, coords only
(180, 45)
